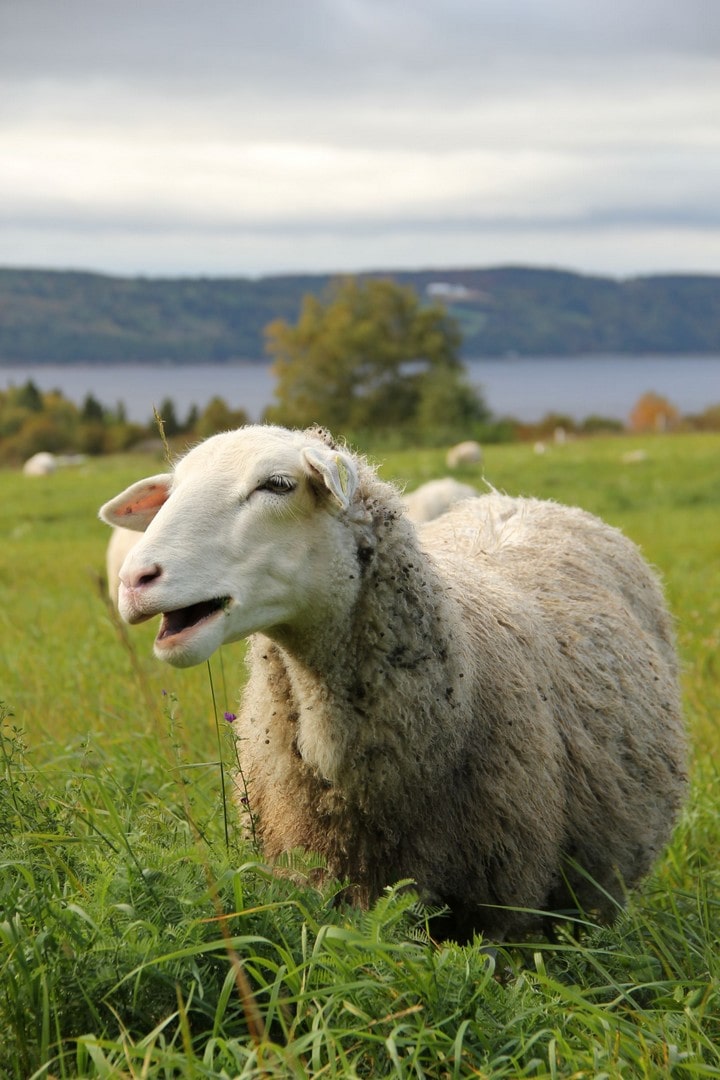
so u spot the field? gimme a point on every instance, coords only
(140, 938)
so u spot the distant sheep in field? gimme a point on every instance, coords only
(40, 464)
(634, 457)
(465, 453)
(435, 497)
(487, 704)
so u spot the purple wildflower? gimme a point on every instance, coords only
(230, 716)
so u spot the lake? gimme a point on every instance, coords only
(525, 388)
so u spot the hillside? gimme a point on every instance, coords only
(72, 317)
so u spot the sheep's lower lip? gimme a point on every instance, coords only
(175, 624)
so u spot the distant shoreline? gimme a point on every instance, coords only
(526, 388)
(266, 362)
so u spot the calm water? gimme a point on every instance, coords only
(523, 388)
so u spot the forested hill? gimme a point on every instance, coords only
(71, 317)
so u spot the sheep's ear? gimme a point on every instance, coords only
(336, 469)
(135, 507)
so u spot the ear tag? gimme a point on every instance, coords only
(337, 473)
(343, 475)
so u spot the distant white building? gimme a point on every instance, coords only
(445, 290)
(454, 292)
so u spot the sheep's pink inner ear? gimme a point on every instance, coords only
(149, 502)
(137, 506)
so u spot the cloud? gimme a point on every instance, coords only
(359, 42)
(355, 123)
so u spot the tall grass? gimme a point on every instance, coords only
(140, 937)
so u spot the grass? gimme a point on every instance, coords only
(139, 937)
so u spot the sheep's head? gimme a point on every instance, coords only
(250, 532)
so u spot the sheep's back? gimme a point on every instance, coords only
(591, 631)
(552, 553)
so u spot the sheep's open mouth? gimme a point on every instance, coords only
(175, 622)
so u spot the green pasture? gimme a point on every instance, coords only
(139, 937)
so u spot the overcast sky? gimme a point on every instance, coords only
(246, 137)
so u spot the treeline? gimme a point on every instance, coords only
(68, 317)
(32, 421)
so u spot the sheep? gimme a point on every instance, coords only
(41, 464)
(634, 457)
(425, 503)
(435, 497)
(119, 544)
(487, 704)
(465, 453)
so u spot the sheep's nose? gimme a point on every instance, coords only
(138, 579)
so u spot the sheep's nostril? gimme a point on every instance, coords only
(147, 576)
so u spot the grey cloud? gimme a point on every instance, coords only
(318, 46)
(160, 222)
(625, 96)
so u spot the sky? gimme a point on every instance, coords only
(255, 137)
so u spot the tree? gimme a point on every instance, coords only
(218, 416)
(92, 410)
(171, 424)
(29, 397)
(193, 415)
(369, 357)
(653, 412)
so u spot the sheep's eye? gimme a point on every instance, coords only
(279, 485)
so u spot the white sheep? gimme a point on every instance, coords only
(41, 464)
(634, 457)
(119, 544)
(435, 497)
(425, 503)
(487, 704)
(465, 453)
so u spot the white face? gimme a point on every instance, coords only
(245, 536)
